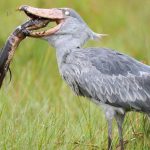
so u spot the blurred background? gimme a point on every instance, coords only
(38, 110)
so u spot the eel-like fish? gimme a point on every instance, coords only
(13, 42)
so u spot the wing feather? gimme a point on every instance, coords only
(109, 77)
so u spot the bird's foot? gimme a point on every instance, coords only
(121, 145)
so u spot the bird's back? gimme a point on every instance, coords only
(108, 77)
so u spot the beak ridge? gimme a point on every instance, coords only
(53, 13)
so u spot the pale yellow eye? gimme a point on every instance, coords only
(67, 13)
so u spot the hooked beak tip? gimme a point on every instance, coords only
(23, 8)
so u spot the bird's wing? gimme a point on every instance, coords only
(109, 77)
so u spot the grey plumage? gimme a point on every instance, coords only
(108, 77)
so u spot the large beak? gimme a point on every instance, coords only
(53, 14)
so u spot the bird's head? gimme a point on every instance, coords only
(70, 28)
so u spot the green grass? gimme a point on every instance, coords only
(38, 110)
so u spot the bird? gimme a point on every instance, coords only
(113, 80)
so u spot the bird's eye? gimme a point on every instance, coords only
(67, 13)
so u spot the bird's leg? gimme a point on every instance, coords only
(109, 134)
(109, 114)
(119, 119)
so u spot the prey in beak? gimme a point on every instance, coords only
(47, 15)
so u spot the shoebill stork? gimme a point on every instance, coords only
(111, 79)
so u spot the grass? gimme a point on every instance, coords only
(38, 110)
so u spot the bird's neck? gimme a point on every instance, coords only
(65, 44)
(62, 53)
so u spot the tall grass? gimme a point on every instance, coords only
(38, 110)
